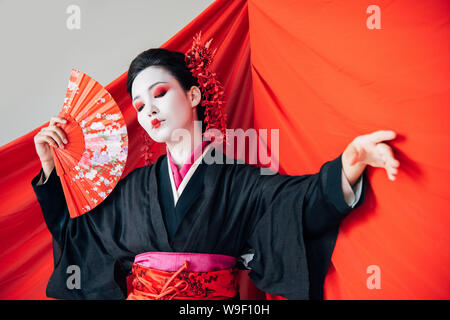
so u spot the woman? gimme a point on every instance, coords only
(181, 228)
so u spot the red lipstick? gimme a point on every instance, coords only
(156, 123)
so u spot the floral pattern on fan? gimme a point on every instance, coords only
(104, 145)
(93, 161)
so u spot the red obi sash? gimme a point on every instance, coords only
(184, 283)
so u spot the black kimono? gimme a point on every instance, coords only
(291, 223)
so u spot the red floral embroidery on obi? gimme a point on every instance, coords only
(153, 284)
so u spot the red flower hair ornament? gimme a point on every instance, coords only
(198, 59)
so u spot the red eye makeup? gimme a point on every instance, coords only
(160, 91)
(139, 106)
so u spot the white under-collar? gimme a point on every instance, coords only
(177, 192)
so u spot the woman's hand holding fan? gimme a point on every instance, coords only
(92, 160)
(49, 136)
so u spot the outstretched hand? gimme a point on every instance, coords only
(370, 150)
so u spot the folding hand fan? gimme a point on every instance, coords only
(93, 160)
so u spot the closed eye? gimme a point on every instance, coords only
(139, 106)
(160, 92)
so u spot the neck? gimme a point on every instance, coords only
(181, 150)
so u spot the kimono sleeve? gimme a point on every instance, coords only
(296, 230)
(90, 242)
(52, 201)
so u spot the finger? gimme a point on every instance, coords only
(60, 133)
(385, 153)
(388, 158)
(391, 174)
(391, 171)
(49, 131)
(44, 138)
(50, 141)
(393, 162)
(382, 135)
(54, 120)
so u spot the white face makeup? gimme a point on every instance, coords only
(157, 95)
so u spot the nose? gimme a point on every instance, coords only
(153, 110)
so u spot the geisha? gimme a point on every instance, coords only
(181, 228)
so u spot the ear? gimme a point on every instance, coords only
(195, 96)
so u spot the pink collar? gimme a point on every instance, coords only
(178, 175)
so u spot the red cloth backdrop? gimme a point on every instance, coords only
(313, 70)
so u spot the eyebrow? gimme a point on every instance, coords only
(150, 88)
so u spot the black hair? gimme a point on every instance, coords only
(174, 62)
